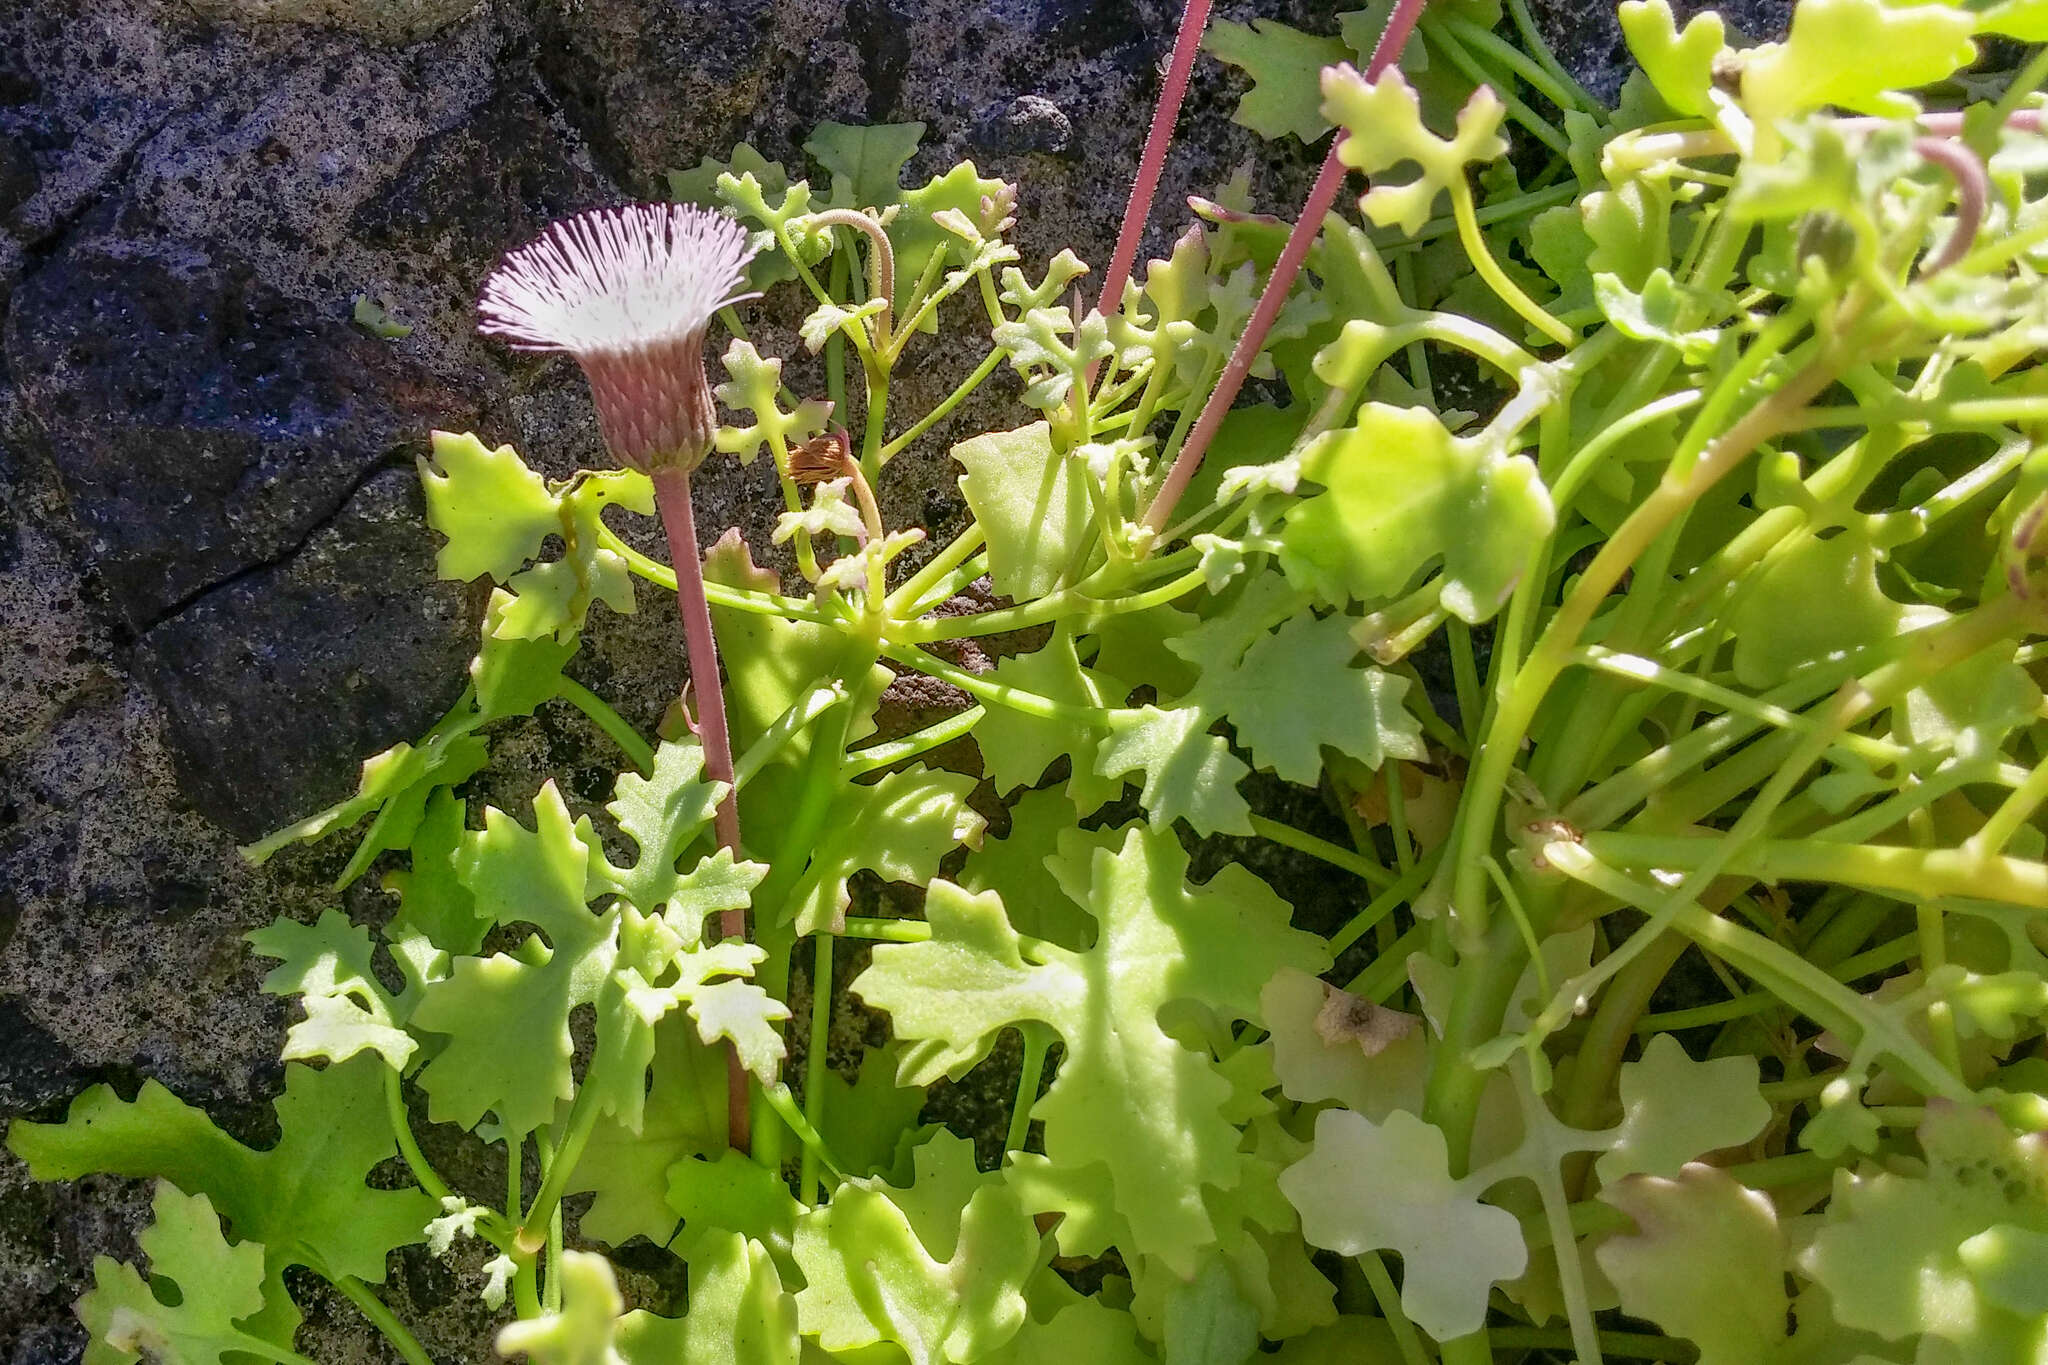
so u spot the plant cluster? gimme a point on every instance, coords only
(1692, 997)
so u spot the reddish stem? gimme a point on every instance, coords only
(1973, 189)
(678, 520)
(1194, 17)
(1321, 196)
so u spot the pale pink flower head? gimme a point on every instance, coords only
(629, 292)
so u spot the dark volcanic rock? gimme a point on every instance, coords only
(490, 182)
(1029, 123)
(1587, 36)
(277, 685)
(201, 422)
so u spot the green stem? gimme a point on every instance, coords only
(1539, 127)
(720, 595)
(583, 1115)
(1397, 815)
(879, 756)
(382, 1318)
(1882, 958)
(1565, 94)
(1336, 855)
(1404, 890)
(1533, 44)
(1389, 968)
(1037, 1042)
(1910, 874)
(778, 1098)
(946, 406)
(1406, 1338)
(526, 1263)
(1489, 269)
(1001, 694)
(1675, 493)
(887, 930)
(958, 552)
(1571, 1275)
(945, 589)
(2017, 808)
(1072, 601)
(1465, 678)
(786, 728)
(871, 437)
(423, 1171)
(608, 720)
(551, 1285)
(815, 1059)
(1401, 245)
(1801, 985)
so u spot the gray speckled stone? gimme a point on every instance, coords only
(399, 21)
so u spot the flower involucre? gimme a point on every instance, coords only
(629, 292)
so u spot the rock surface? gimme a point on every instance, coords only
(216, 595)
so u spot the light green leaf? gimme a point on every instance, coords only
(1029, 504)
(216, 1285)
(1017, 867)
(2010, 1266)
(683, 1116)
(1128, 1097)
(1657, 312)
(1208, 1322)
(2026, 20)
(662, 813)
(432, 900)
(1856, 54)
(507, 1016)
(1383, 127)
(918, 230)
(1400, 491)
(1387, 1186)
(755, 386)
(515, 673)
(347, 1008)
(1294, 691)
(1084, 1331)
(1814, 600)
(1679, 64)
(739, 1313)
(865, 162)
(865, 1121)
(584, 1330)
(493, 509)
(1188, 772)
(1891, 1253)
(1706, 1262)
(829, 318)
(304, 1199)
(1284, 64)
(1330, 1045)
(945, 1286)
(899, 828)
(1017, 748)
(727, 1194)
(1675, 1109)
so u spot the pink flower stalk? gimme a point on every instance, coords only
(630, 293)
(1321, 197)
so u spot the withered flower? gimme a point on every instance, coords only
(629, 292)
(822, 458)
